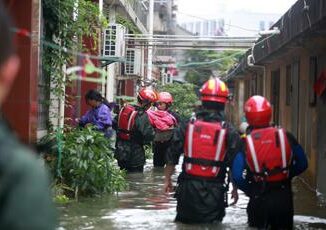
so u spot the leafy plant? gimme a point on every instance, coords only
(88, 165)
(184, 98)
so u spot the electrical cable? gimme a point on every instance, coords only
(26, 33)
(206, 19)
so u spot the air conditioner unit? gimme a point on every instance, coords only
(133, 62)
(114, 41)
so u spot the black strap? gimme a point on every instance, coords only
(203, 162)
(124, 130)
(271, 172)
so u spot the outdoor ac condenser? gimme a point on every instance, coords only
(133, 60)
(114, 41)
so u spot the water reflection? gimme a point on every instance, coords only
(145, 206)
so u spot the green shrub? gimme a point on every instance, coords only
(184, 98)
(88, 165)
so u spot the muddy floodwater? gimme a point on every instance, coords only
(145, 206)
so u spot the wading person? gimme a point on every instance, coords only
(272, 158)
(25, 201)
(99, 115)
(134, 131)
(209, 144)
(164, 121)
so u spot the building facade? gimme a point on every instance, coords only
(289, 68)
(24, 94)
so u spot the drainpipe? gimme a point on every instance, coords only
(251, 63)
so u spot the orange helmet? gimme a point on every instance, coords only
(165, 97)
(258, 111)
(214, 90)
(147, 96)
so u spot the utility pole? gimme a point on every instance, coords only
(150, 47)
(100, 4)
(111, 68)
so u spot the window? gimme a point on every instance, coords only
(130, 59)
(288, 86)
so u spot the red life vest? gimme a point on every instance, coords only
(268, 154)
(126, 121)
(205, 148)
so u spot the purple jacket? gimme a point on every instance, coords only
(99, 117)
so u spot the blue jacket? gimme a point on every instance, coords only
(299, 164)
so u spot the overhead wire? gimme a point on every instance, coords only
(227, 24)
(26, 33)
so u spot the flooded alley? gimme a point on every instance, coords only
(145, 206)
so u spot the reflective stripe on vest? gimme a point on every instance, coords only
(282, 142)
(190, 138)
(133, 114)
(253, 153)
(221, 137)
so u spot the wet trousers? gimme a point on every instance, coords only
(200, 201)
(271, 207)
(159, 149)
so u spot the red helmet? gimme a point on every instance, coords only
(214, 90)
(165, 97)
(147, 95)
(258, 111)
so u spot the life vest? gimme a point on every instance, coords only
(268, 154)
(126, 121)
(204, 148)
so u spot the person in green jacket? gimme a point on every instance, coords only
(134, 131)
(25, 201)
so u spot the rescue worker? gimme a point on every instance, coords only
(99, 115)
(134, 131)
(163, 137)
(272, 158)
(24, 192)
(209, 144)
